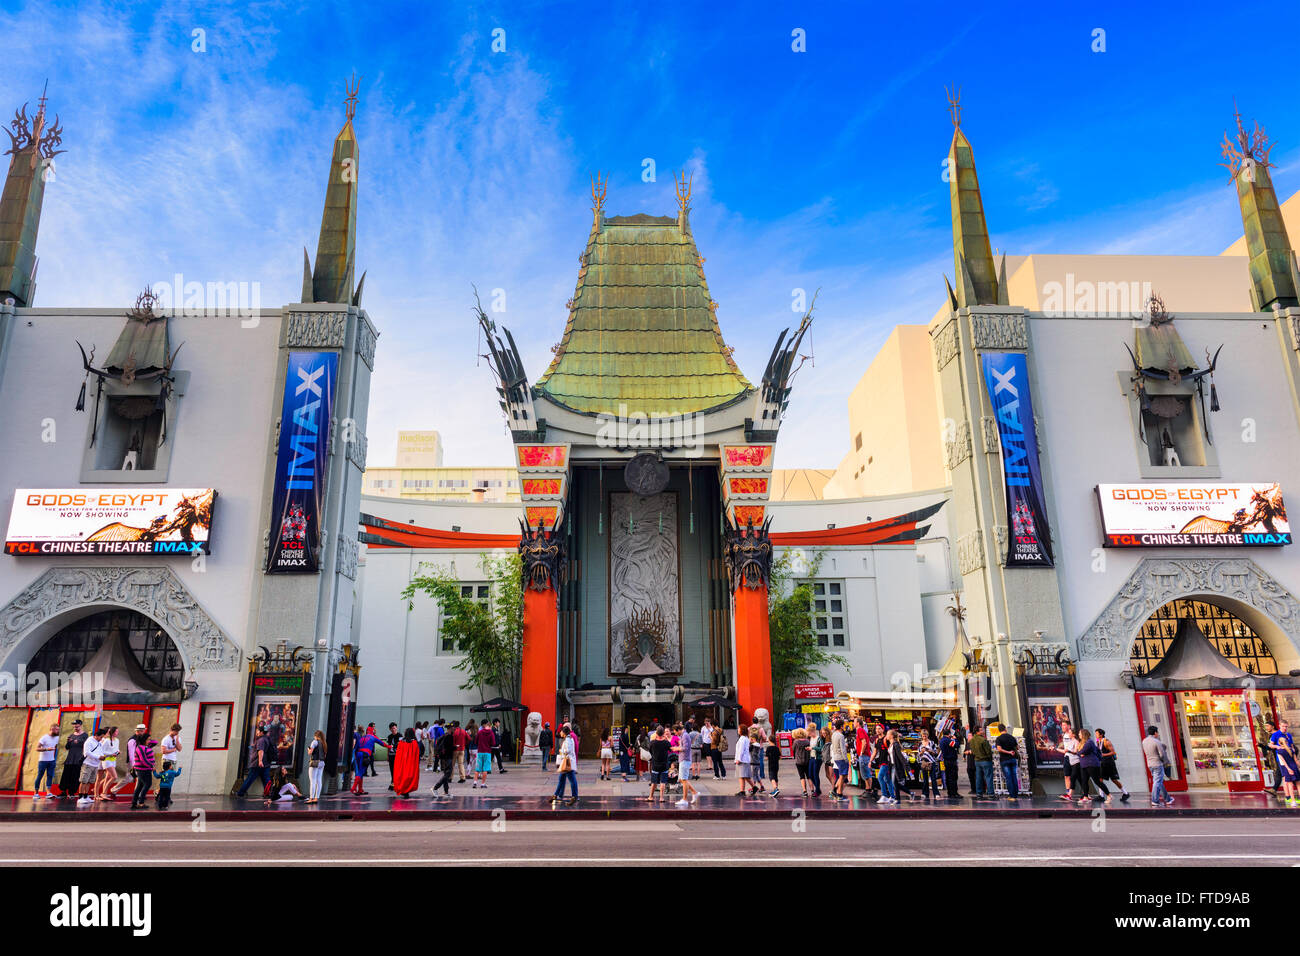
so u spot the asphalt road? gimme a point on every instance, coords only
(1191, 843)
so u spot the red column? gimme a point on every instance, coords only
(753, 652)
(540, 656)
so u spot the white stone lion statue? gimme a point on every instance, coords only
(533, 730)
(763, 719)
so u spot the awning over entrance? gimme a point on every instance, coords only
(1193, 663)
(112, 669)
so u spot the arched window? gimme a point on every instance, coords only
(1231, 636)
(70, 649)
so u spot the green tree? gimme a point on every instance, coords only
(489, 636)
(796, 656)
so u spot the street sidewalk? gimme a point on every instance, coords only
(525, 792)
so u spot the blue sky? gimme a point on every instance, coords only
(813, 169)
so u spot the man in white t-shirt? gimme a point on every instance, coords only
(48, 746)
(90, 767)
(171, 747)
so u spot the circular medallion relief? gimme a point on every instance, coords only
(646, 474)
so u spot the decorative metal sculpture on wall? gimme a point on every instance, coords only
(646, 474)
(543, 556)
(748, 554)
(645, 622)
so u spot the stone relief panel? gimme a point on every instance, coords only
(317, 330)
(959, 449)
(645, 621)
(367, 338)
(155, 592)
(346, 563)
(1157, 581)
(998, 331)
(945, 345)
(989, 435)
(970, 552)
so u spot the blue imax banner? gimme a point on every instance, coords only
(299, 498)
(1006, 376)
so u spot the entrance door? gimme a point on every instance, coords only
(645, 717)
(1156, 709)
(1238, 750)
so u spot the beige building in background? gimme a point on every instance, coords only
(419, 473)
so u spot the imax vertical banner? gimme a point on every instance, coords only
(1006, 376)
(299, 496)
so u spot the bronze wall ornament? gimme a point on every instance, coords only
(748, 554)
(646, 474)
(543, 555)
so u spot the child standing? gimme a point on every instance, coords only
(165, 778)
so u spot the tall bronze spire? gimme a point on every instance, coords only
(331, 281)
(33, 146)
(977, 278)
(1273, 274)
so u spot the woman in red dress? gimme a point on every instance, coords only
(406, 764)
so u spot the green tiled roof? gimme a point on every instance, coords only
(641, 331)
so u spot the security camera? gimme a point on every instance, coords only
(321, 643)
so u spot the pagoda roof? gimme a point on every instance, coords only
(642, 331)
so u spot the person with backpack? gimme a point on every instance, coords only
(927, 762)
(718, 751)
(802, 758)
(545, 740)
(1089, 769)
(898, 759)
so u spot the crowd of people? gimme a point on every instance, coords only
(98, 765)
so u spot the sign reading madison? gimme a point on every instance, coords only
(47, 521)
(1193, 514)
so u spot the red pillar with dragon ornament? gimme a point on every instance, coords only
(749, 557)
(543, 555)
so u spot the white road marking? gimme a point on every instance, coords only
(199, 839)
(460, 861)
(746, 839)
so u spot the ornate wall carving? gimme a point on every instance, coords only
(367, 338)
(356, 449)
(970, 552)
(1295, 332)
(346, 560)
(317, 330)
(945, 345)
(1005, 331)
(153, 591)
(1157, 581)
(989, 435)
(1000, 535)
(959, 449)
(644, 584)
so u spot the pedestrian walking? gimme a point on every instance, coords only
(391, 742)
(948, 754)
(471, 750)
(143, 762)
(125, 770)
(259, 763)
(1009, 757)
(406, 765)
(773, 755)
(506, 746)
(363, 756)
(545, 741)
(445, 761)
(685, 769)
(927, 763)
(1157, 757)
(1109, 766)
(661, 749)
(496, 745)
(460, 744)
(1073, 772)
(980, 751)
(486, 740)
(898, 759)
(606, 753)
(107, 778)
(814, 759)
(89, 778)
(706, 746)
(48, 748)
(315, 766)
(1089, 769)
(862, 755)
(802, 757)
(566, 767)
(171, 747)
(744, 765)
(70, 779)
(1283, 745)
(882, 763)
(718, 750)
(757, 752)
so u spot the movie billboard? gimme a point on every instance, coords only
(1193, 514)
(1006, 376)
(1050, 718)
(120, 521)
(298, 499)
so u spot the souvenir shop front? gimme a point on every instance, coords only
(1208, 681)
(115, 669)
